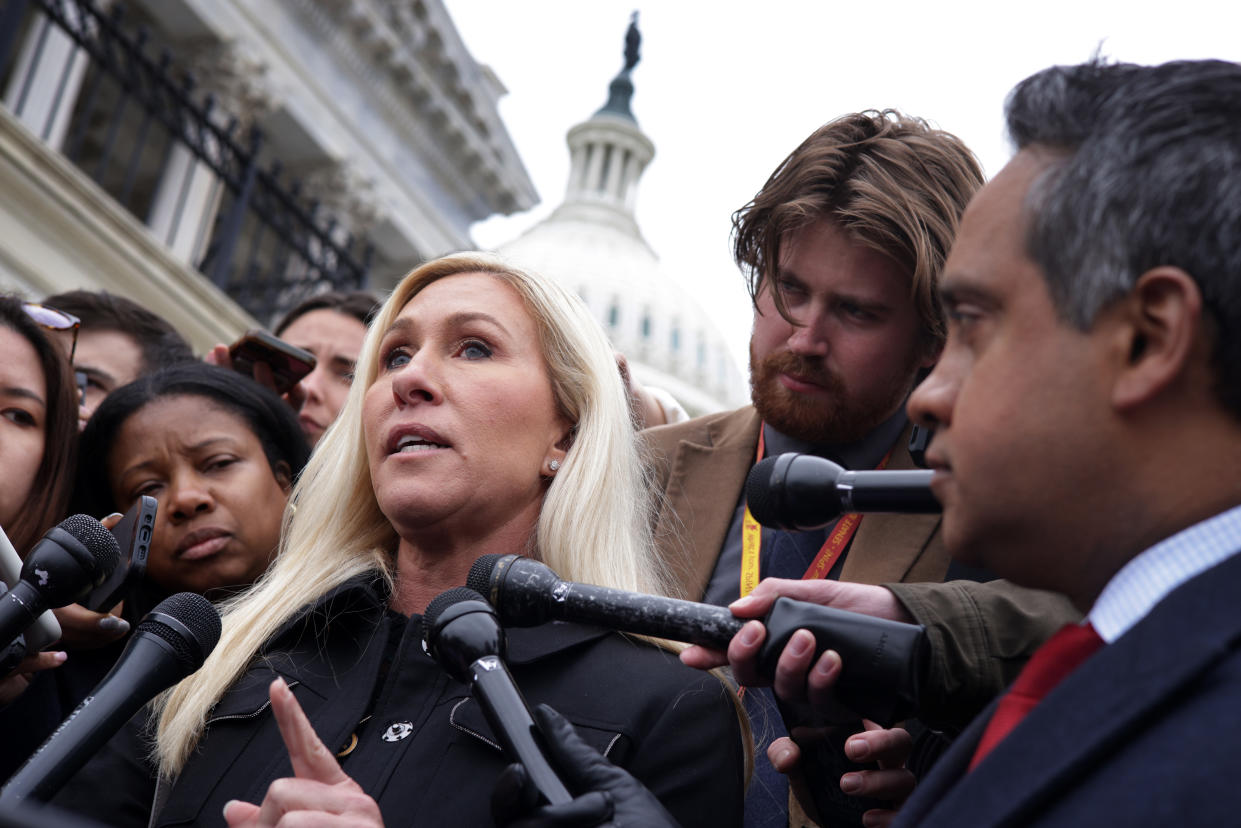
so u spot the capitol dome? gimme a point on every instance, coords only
(592, 245)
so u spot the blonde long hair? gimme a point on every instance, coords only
(594, 526)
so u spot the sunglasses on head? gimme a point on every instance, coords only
(54, 320)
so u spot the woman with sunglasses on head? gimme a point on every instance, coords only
(38, 444)
(59, 330)
(37, 450)
(487, 416)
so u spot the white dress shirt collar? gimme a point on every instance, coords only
(1148, 578)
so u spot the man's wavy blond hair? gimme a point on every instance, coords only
(896, 184)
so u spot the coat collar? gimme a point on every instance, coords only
(706, 462)
(368, 591)
(363, 599)
(528, 645)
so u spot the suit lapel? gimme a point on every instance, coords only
(707, 473)
(1092, 714)
(947, 772)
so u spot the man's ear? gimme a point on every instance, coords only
(1162, 324)
(284, 476)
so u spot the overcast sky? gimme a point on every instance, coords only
(727, 88)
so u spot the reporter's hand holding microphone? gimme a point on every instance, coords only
(801, 678)
(798, 492)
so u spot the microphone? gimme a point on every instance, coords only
(38, 635)
(883, 661)
(461, 632)
(67, 562)
(171, 641)
(799, 492)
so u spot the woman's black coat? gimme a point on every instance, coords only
(423, 747)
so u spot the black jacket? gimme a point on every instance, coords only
(426, 753)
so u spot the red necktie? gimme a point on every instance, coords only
(1060, 655)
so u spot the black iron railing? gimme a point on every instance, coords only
(262, 242)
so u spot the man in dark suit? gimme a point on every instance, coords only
(1088, 440)
(1087, 415)
(842, 248)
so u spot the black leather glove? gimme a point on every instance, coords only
(12, 655)
(606, 795)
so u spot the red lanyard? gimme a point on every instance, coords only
(835, 545)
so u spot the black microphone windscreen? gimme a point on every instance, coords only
(479, 578)
(440, 603)
(198, 617)
(97, 540)
(759, 496)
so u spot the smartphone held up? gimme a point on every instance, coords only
(133, 533)
(288, 363)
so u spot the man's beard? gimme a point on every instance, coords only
(833, 421)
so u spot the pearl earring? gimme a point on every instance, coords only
(554, 465)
